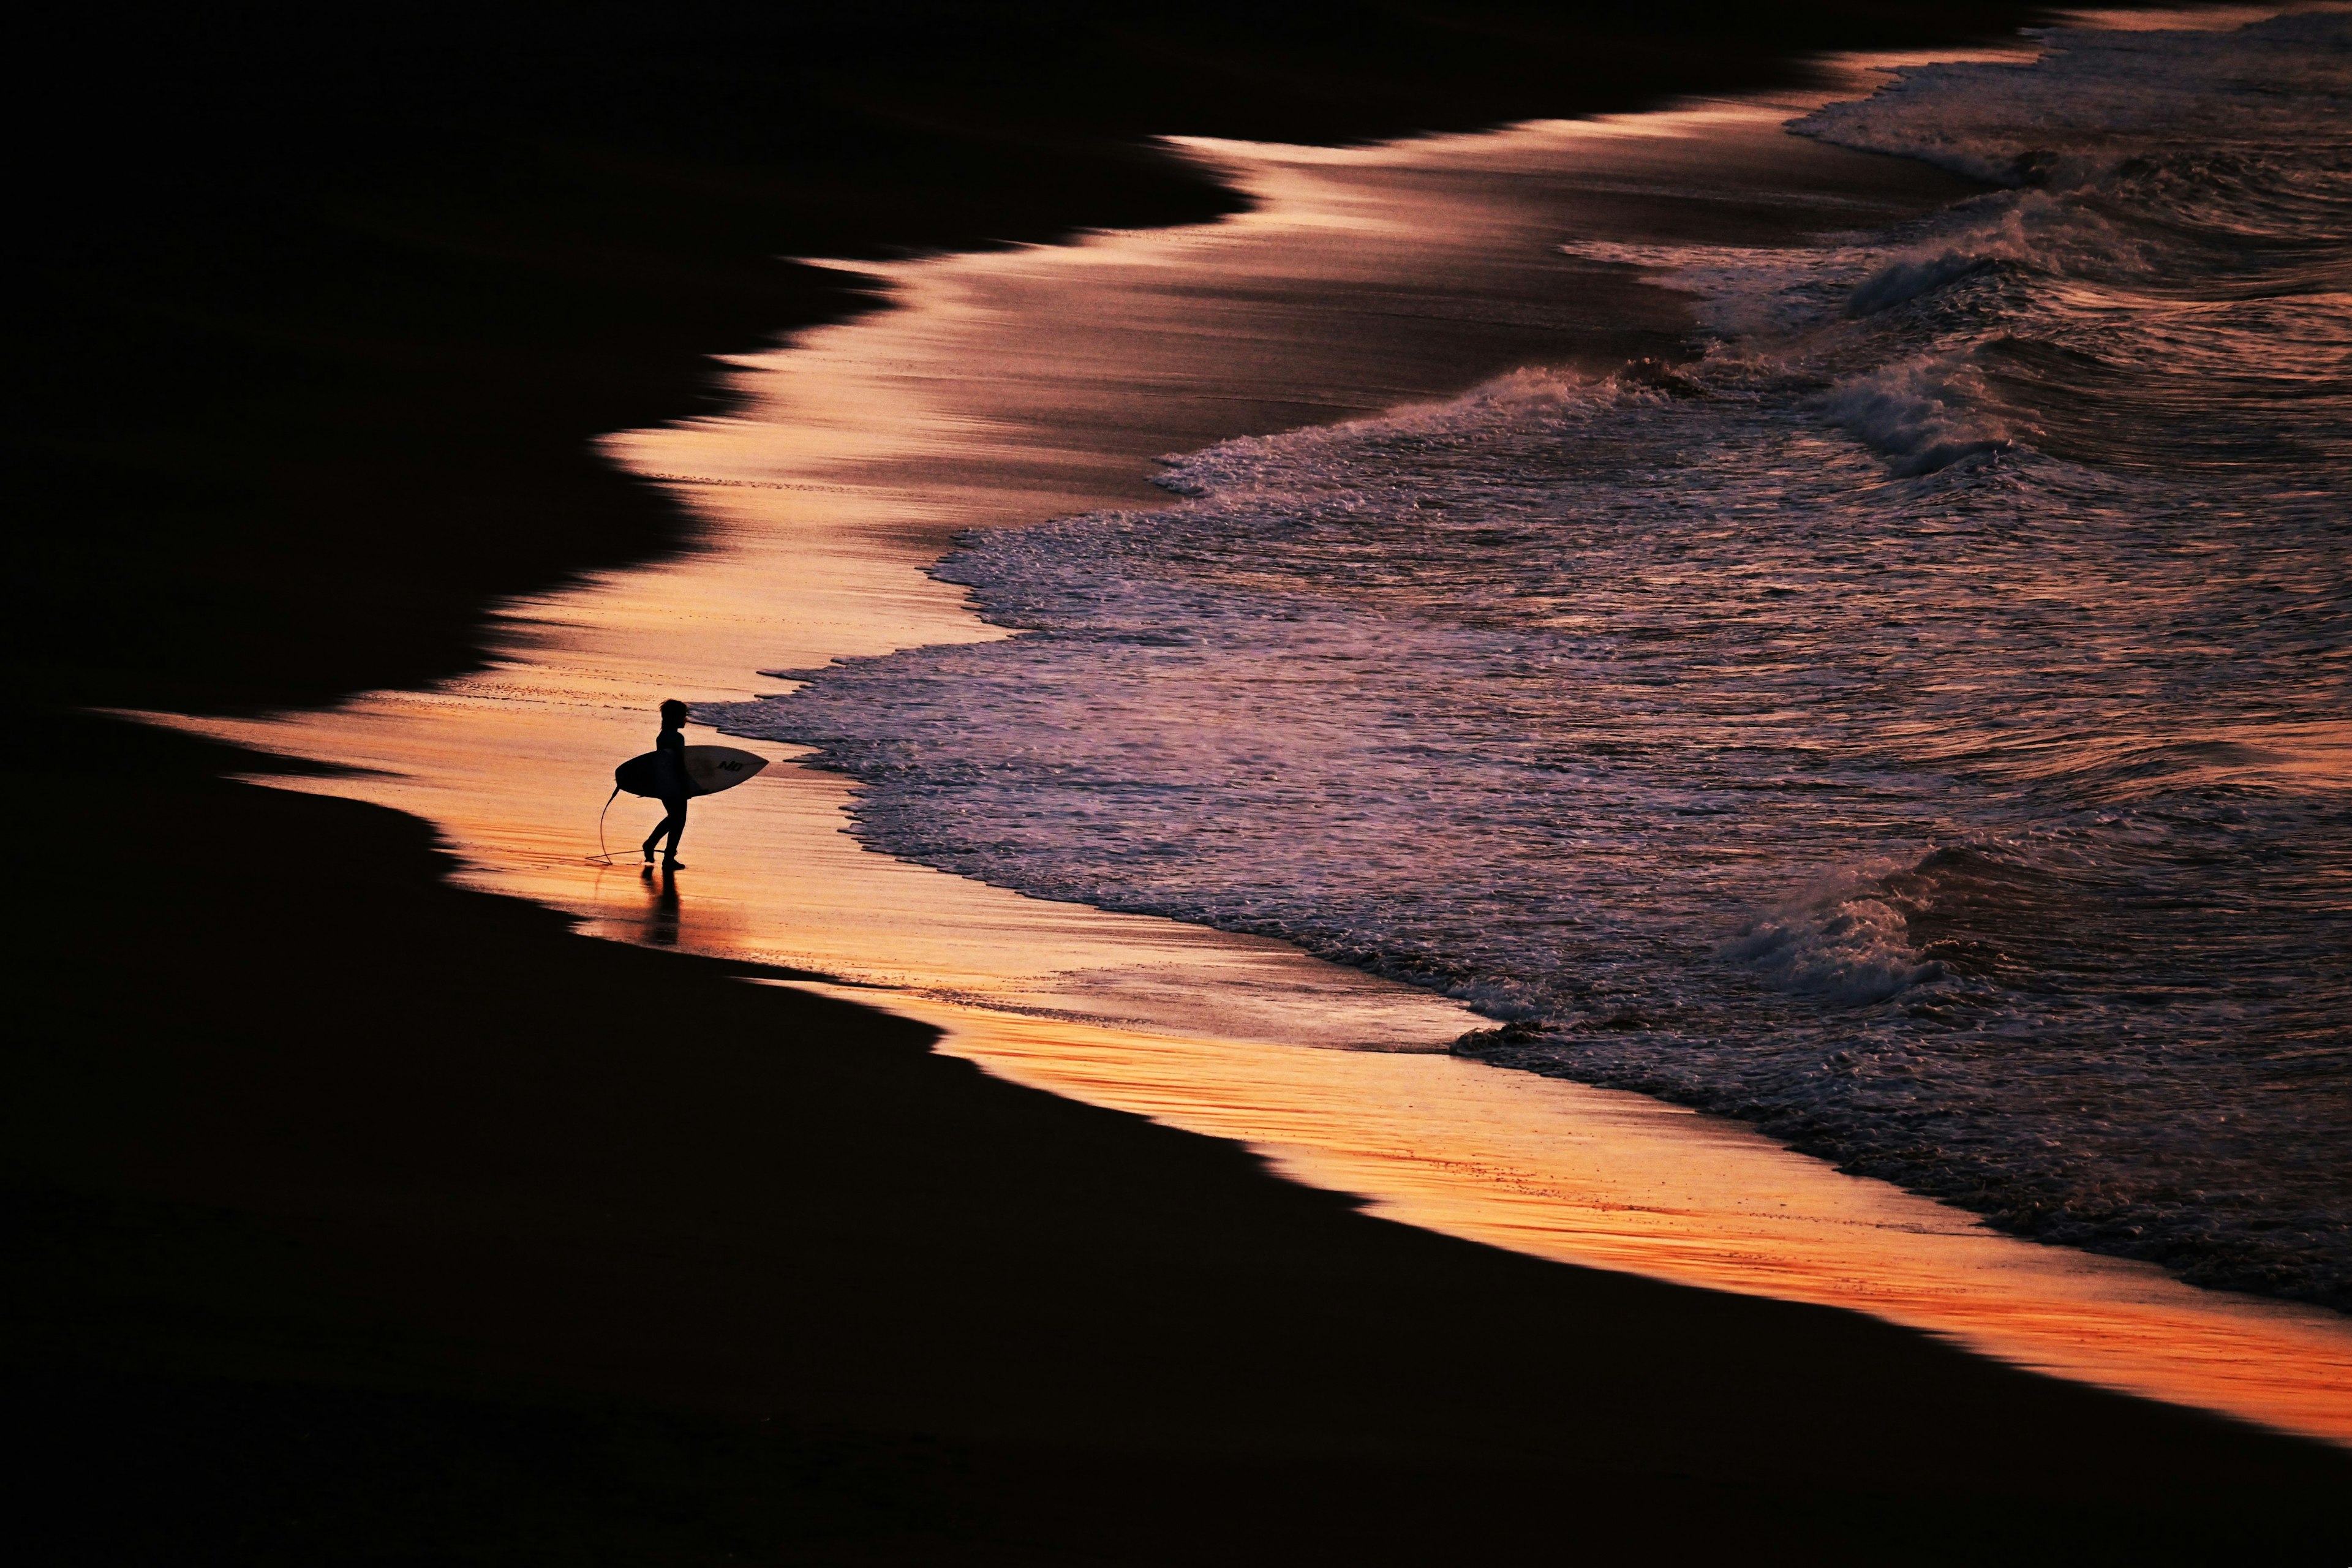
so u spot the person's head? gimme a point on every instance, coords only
(673, 714)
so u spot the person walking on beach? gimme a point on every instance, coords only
(669, 748)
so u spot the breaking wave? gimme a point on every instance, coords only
(1915, 722)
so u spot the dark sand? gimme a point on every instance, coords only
(439, 1231)
(357, 1218)
(318, 311)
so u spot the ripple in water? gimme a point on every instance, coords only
(1917, 725)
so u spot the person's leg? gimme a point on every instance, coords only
(670, 825)
(676, 823)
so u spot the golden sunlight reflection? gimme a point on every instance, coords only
(1029, 383)
(1612, 1180)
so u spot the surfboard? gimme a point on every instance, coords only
(709, 769)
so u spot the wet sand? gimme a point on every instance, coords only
(1013, 386)
(439, 1232)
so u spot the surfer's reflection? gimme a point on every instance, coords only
(661, 917)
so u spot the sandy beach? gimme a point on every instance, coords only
(974, 402)
(492, 1176)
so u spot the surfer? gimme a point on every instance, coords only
(673, 772)
(671, 783)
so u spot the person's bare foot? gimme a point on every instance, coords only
(673, 865)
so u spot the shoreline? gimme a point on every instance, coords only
(860, 464)
(326, 313)
(792, 1285)
(357, 1214)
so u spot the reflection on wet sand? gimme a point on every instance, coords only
(1614, 1180)
(1020, 384)
(660, 929)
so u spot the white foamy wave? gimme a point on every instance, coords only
(1743, 289)
(1319, 461)
(2098, 95)
(1924, 413)
(1905, 278)
(1848, 949)
(2057, 234)
(1545, 697)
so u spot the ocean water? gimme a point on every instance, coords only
(1917, 721)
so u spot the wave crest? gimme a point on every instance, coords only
(1924, 413)
(1848, 947)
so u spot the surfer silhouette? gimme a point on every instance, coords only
(671, 783)
(674, 773)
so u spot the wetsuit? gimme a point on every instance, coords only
(670, 746)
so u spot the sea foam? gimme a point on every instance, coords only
(1882, 725)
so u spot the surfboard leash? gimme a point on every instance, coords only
(604, 854)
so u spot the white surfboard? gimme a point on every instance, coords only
(713, 768)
